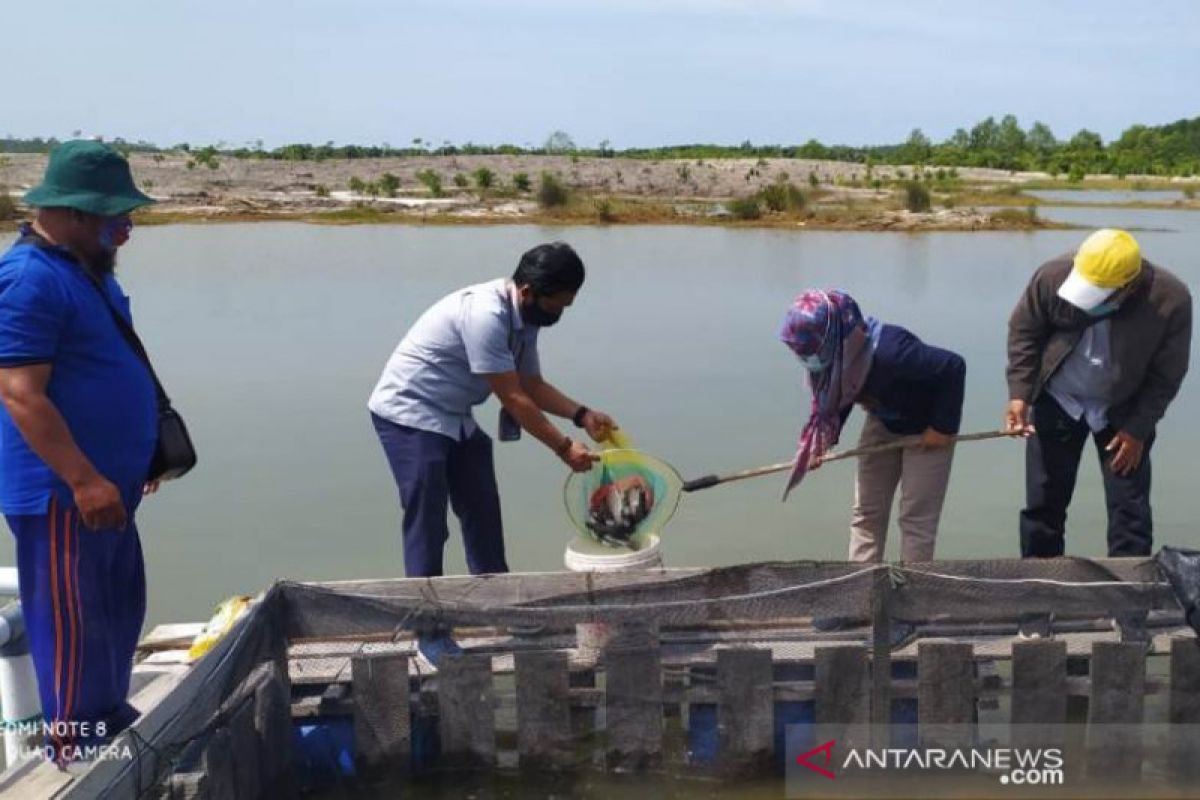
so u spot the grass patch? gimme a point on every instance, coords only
(916, 197)
(745, 208)
(552, 192)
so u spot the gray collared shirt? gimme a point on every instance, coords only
(1083, 384)
(435, 375)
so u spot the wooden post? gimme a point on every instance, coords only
(1039, 693)
(746, 710)
(633, 707)
(945, 693)
(543, 710)
(382, 722)
(843, 695)
(1185, 708)
(243, 742)
(467, 710)
(881, 657)
(583, 718)
(218, 764)
(1115, 709)
(273, 721)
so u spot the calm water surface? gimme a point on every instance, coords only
(271, 336)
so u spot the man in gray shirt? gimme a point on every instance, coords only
(473, 343)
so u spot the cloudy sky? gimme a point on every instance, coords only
(634, 73)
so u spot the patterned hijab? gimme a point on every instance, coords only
(828, 325)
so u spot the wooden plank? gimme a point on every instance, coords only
(218, 764)
(745, 711)
(633, 708)
(171, 636)
(543, 710)
(273, 721)
(1184, 709)
(1039, 693)
(243, 741)
(382, 722)
(188, 786)
(945, 693)
(1115, 709)
(466, 711)
(842, 695)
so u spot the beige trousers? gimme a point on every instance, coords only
(921, 474)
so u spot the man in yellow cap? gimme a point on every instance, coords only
(1097, 345)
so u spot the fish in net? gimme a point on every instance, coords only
(617, 507)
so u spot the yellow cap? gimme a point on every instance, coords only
(1106, 261)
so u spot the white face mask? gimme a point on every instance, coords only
(813, 363)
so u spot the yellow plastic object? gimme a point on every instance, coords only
(226, 615)
(617, 440)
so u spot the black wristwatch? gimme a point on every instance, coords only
(580, 413)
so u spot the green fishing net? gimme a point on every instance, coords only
(623, 498)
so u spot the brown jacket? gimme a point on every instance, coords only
(1151, 340)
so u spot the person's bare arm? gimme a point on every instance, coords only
(551, 400)
(525, 410)
(23, 392)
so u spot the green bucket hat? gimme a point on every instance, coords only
(88, 176)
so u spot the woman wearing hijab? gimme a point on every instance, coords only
(907, 388)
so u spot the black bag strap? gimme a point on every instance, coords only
(135, 342)
(127, 331)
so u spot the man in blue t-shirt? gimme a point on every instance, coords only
(78, 425)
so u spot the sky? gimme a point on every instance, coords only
(633, 73)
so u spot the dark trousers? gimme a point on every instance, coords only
(1051, 465)
(433, 471)
(83, 594)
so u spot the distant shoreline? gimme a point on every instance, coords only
(776, 193)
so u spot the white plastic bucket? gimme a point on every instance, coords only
(583, 556)
(593, 638)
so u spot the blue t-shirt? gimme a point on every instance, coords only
(51, 313)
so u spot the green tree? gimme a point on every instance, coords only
(520, 181)
(983, 136)
(1041, 140)
(1010, 142)
(558, 143)
(917, 149)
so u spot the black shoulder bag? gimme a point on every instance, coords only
(174, 455)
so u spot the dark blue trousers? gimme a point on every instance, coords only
(433, 471)
(1051, 466)
(83, 595)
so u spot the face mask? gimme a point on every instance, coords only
(115, 229)
(813, 363)
(538, 317)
